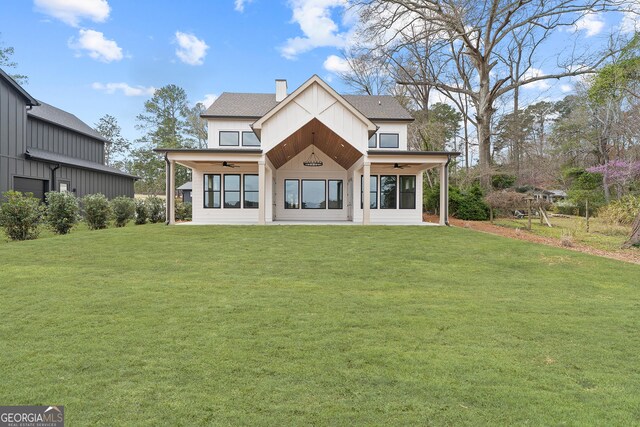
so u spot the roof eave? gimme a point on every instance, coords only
(209, 150)
(30, 99)
(412, 153)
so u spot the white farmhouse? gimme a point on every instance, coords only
(306, 156)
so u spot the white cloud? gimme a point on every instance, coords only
(111, 88)
(72, 11)
(592, 23)
(539, 84)
(208, 99)
(336, 64)
(319, 29)
(97, 46)
(191, 50)
(240, 4)
(631, 20)
(566, 88)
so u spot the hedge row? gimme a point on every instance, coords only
(22, 215)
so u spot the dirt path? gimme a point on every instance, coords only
(627, 255)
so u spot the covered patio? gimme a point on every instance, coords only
(360, 207)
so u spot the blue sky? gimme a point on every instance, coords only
(93, 57)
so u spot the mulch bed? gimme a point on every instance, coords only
(628, 255)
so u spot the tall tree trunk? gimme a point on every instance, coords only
(518, 131)
(634, 238)
(484, 147)
(484, 111)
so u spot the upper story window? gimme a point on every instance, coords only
(389, 140)
(373, 141)
(249, 139)
(229, 139)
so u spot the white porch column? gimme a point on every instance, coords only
(172, 193)
(366, 193)
(262, 200)
(444, 194)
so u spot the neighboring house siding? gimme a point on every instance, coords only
(18, 131)
(47, 136)
(91, 182)
(12, 133)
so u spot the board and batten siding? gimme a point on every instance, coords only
(91, 182)
(314, 102)
(13, 123)
(18, 131)
(47, 136)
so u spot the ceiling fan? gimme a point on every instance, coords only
(229, 165)
(399, 166)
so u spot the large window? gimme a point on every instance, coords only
(388, 189)
(407, 192)
(229, 139)
(232, 191)
(389, 140)
(314, 194)
(373, 190)
(335, 194)
(249, 139)
(372, 141)
(251, 191)
(291, 194)
(211, 191)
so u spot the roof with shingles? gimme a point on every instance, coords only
(62, 118)
(49, 156)
(256, 105)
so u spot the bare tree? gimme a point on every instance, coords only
(367, 73)
(486, 34)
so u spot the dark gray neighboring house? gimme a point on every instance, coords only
(185, 191)
(43, 148)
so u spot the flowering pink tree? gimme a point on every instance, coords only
(619, 173)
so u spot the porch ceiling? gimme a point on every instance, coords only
(326, 140)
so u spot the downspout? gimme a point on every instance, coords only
(168, 184)
(446, 177)
(53, 177)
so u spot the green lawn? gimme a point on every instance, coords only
(317, 325)
(600, 236)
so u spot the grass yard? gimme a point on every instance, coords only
(317, 325)
(600, 236)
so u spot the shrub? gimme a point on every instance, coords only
(123, 209)
(62, 211)
(506, 200)
(142, 213)
(465, 204)
(156, 209)
(183, 210)
(96, 211)
(621, 212)
(566, 207)
(20, 215)
(502, 181)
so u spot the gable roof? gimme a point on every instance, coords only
(30, 99)
(257, 126)
(256, 105)
(59, 117)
